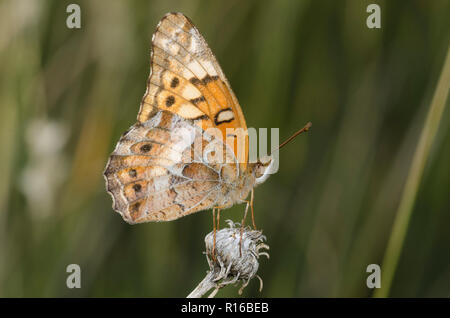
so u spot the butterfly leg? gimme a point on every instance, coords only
(215, 229)
(242, 227)
(218, 218)
(251, 205)
(213, 254)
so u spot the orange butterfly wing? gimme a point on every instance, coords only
(187, 80)
(150, 174)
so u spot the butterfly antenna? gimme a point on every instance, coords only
(304, 129)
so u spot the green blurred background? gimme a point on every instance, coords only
(66, 96)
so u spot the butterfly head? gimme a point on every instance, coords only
(263, 168)
(265, 165)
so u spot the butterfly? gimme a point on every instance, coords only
(164, 167)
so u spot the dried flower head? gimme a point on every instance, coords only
(234, 260)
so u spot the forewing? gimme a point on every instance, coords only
(186, 79)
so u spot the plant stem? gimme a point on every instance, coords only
(205, 285)
(422, 152)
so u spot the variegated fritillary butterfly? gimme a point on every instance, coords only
(154, 173)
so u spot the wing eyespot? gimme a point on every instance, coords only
(224, 116)
(145, 148)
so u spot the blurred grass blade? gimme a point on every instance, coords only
(422, 152)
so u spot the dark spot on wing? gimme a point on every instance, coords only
(132, 173)
(197, 100)
(170, 101)
(207, 79)
(135, 207)
(175, 82)
(200, 117)
(137, 187)
(195, 81)
(146, 148)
